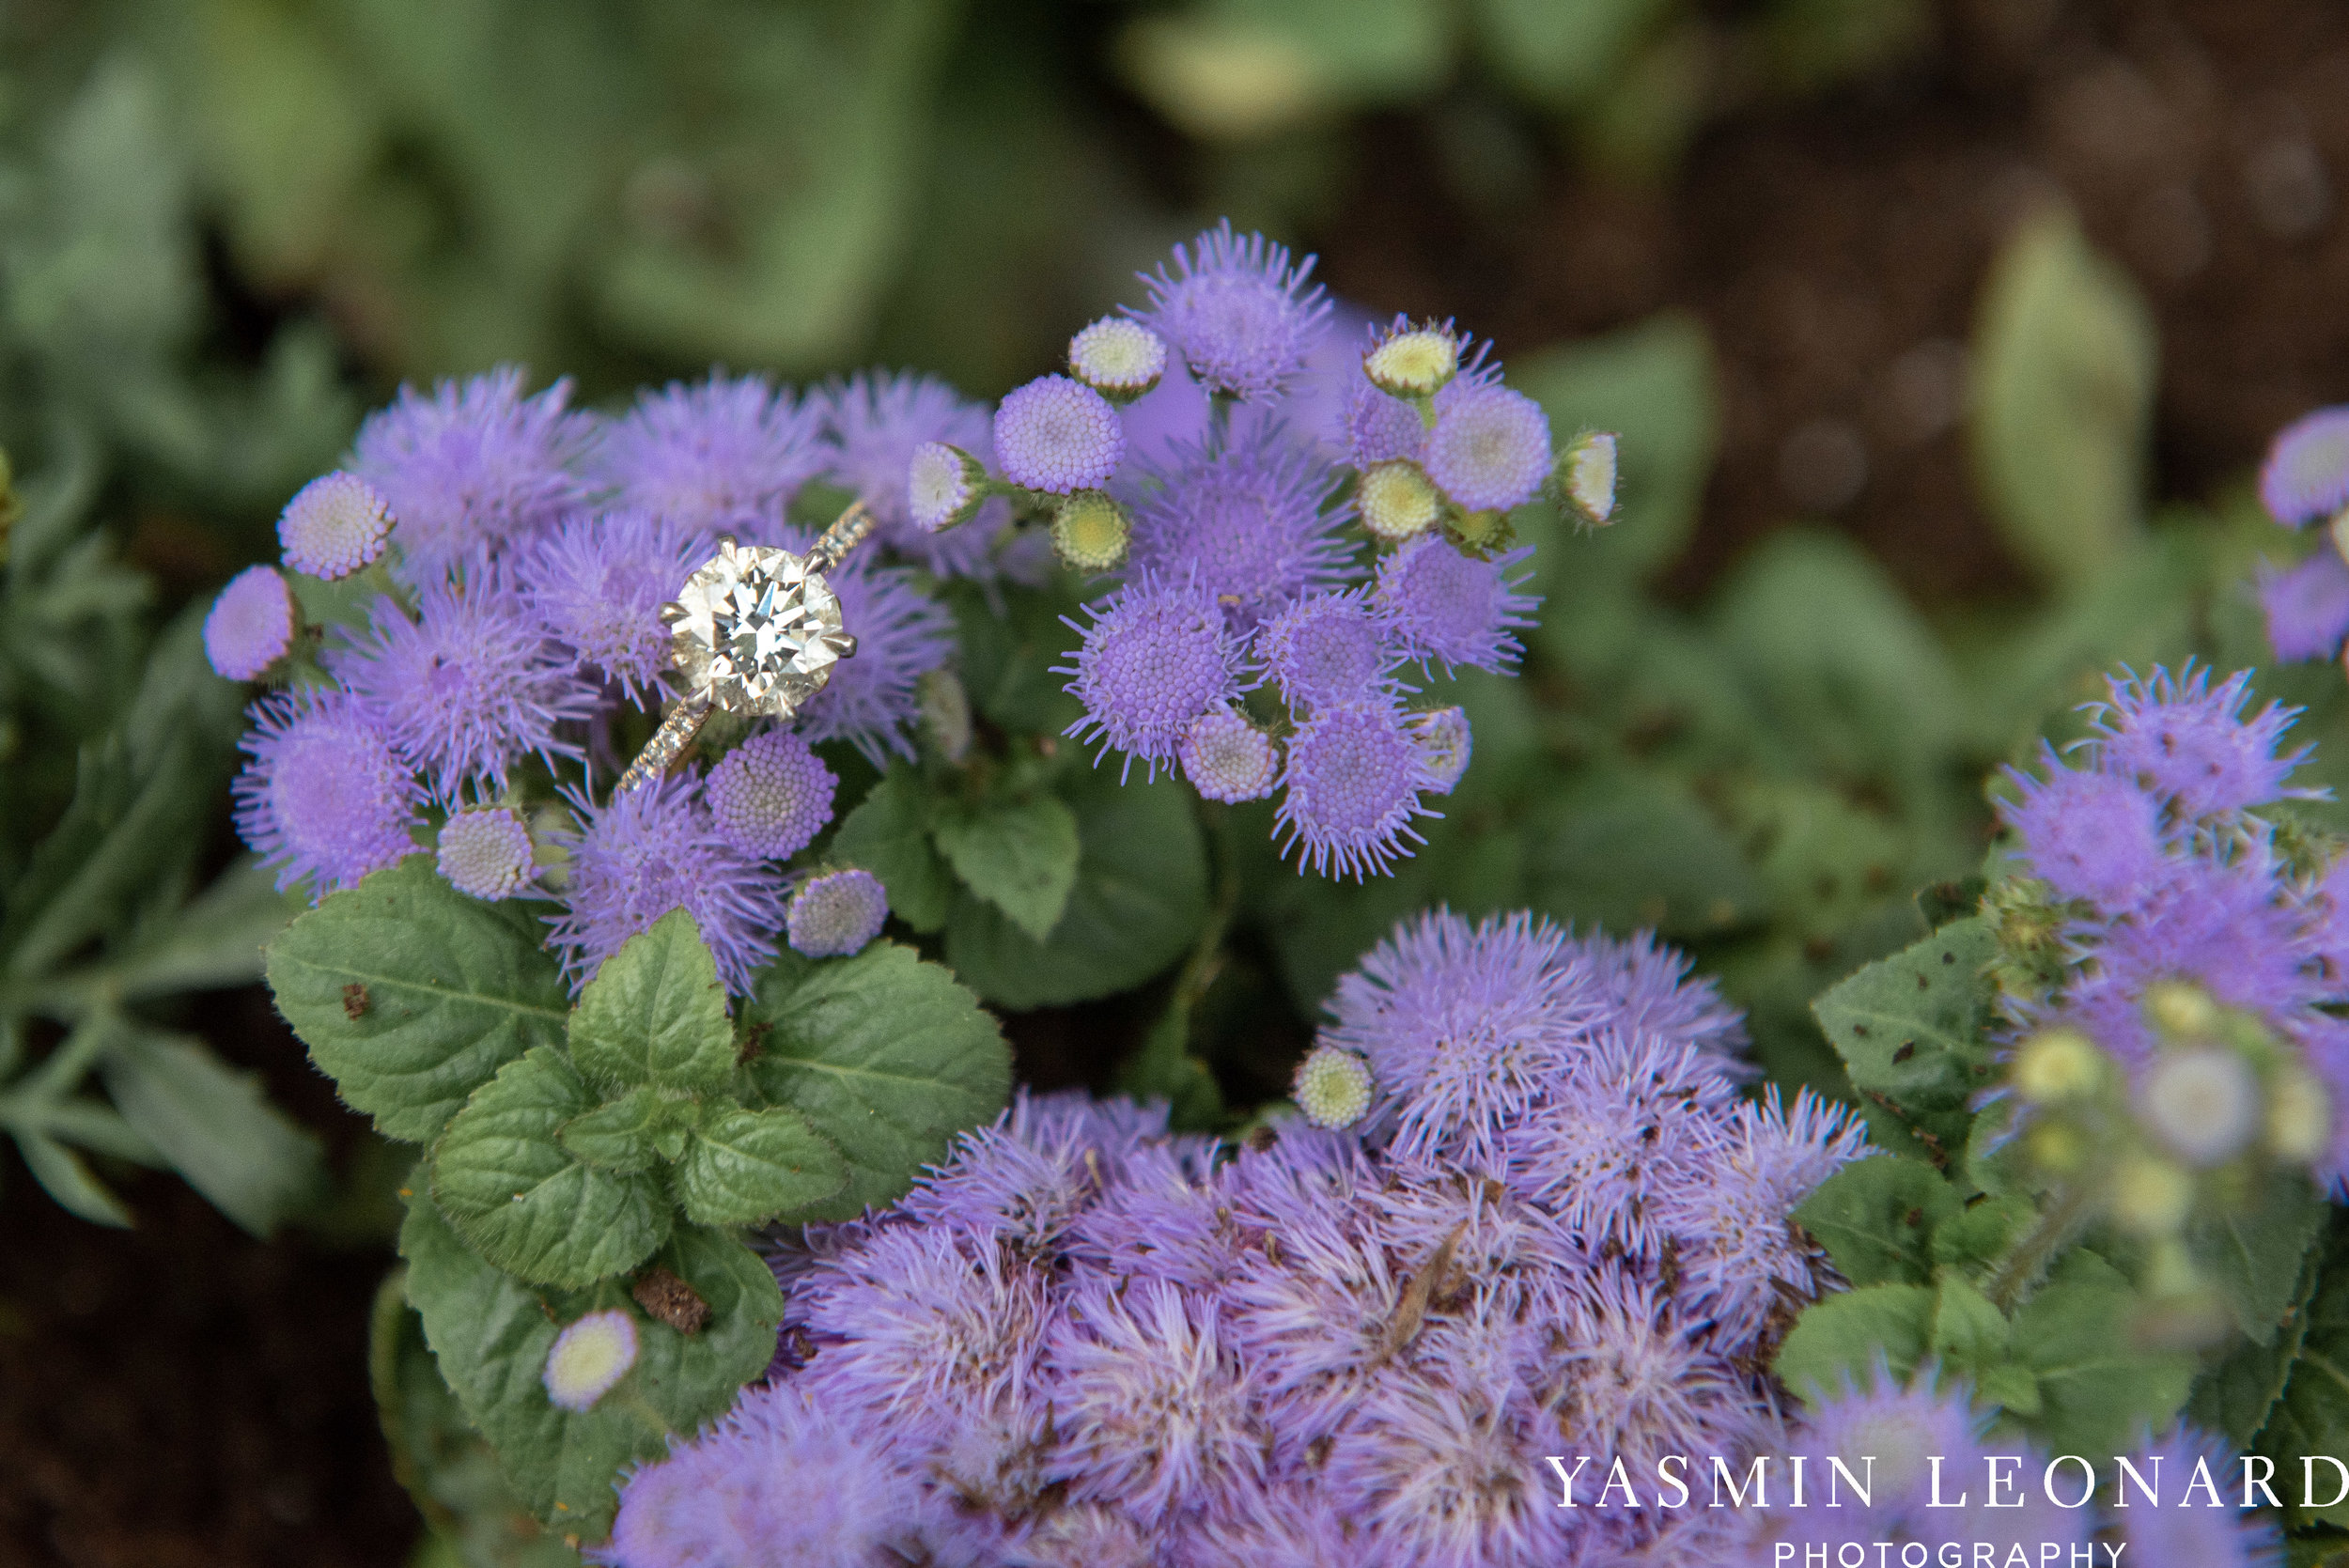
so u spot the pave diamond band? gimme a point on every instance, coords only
(754, 631)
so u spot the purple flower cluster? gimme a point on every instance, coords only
(2305, 480)
(1088, 1340)
(2150, 840)
(516, 636)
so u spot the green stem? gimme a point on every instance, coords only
(2028, 1259)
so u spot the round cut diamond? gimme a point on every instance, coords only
(756, 631)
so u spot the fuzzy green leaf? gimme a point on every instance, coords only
(622, 1134)
(889, 835)
(1910, 1028)
(2236, 1395)
(655, 1013)
(744, 1167)
(2101, 1392)
(1019, 856)
(886, 1055)
(1877, 1218)
(504, 1178)
(410, 994)
(2312, 1415)
(1838, 1341)
(2255, 1251)
(492, 1333)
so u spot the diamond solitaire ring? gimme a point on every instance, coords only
(756, 631)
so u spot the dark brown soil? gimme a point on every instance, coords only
(183, 1395)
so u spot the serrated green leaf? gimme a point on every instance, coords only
(2236, 1395)
(216, 1128)
(1911, 1027)
(1839, 1340)
(889, 835)
(504, 1180)
(2311, 1417)
(490, 1334)
(1020, 856)
(2254, 1251)
(410, 994)
(2100, 1392)
(618, 1134)
(1139, 899)
(1967, 1333)
(656, 1014)
(1981, 1235)
(886, 1055)
(746, 1167)
(1877, 1218)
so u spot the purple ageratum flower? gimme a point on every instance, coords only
(651, 850)
(779, 1481)
(1057, 435)
(1027, 1190)
(1353, 778)
(1903, 1429)
(1449, 608)
(1227, 758)
(598, 583)
(1150, 1407)
(2181, 1519)
(1627, 1376)
(1646, 989)
(2306, 477)
(714, 454)
(1156, 658)
(486, 853)
(1329, 650)
(2307, 605)
(1465, 1028)
(1245, 518)
(1161, 426)
(467, 688)
(325, 799)
(2179, 737)
(834, 915)
(2089, 835)
(876, 421)
(251, 625)
(334, 524)
(1166, 1219)
(1243, 319)
(474, 463)
(771, 795)
(1489, 450)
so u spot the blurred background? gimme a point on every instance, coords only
(1953, 326)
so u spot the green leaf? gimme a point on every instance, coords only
(745, 1167)
(1878, 1218)
(2311, 1417)
(1977, 1237)
(886, 1055)
(1164, 1069)
(65, 1176)
(2255, 1251)
(1561, 52)
(217, 939)
(1139, 899)
(215, 1126)
(1019, 856)
(2101, 1393)
(1967, 1331)
(2236, 1395)
(504, 1178)
(1838, 1341)
(2065, 360)
(1626, 850)
(889, 835)
(1911, 1028)
(492, 1333)
(622, 1134)
(655, 1013)
(409, 995)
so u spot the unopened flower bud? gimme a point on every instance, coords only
(2057, 1065)
(1445, 744)
(2300, 1118)
(1397, 499)
(1118, 357)
(2056, 1146)
(1585, 477)
(1090, 531)
(589, 1357)
(1414, 363)
(2204, 1104)
(2152, 1197)
(1332, 1087)
(945, 708)
(2182, 1011)
(945, 484)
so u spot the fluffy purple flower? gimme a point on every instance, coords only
(1157, 657)
(651, 850)
(1227, 758)
(325, 800)
(836, 914)
(1450, 608)
(2089, 835)
(1629, 1377)
(1353, 778)
(1903, 1429)
(771, 795)
(467, 688)
(1161, 426)
(1329, 650)
(598, 583)
(2178, 737)
(1058, 435)
(474, 463)
(1025, 1180)
(1489, 450)
(251, 625)
(2183, 1528)
(1244, 518)
(1645, 988)
(334, 524)
(2307, 605)
(713, 455)
(1241, 316)
(486, 853)
(1166, 1217)
(876, 421)
(2306, 477)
